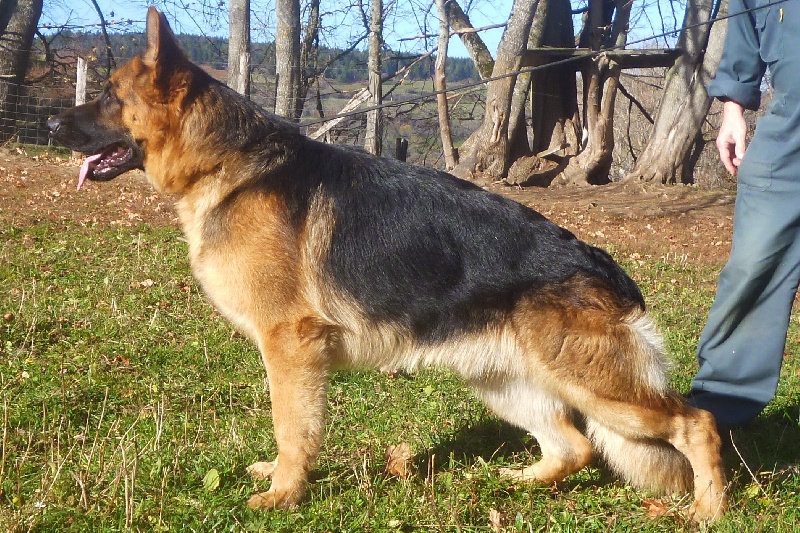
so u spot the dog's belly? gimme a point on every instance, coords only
(474, 356)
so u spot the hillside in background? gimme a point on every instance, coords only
(213, 52)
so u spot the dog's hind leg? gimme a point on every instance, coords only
(617, 379)
(295, 356)
(565, 449)
(650, 442)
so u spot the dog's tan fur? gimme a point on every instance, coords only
(566, 350)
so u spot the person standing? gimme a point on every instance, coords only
(741, 348)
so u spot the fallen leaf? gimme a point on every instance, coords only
(496, 520)
(398, 460)
(211, 480)
(655, 508)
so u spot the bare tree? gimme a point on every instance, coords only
(607, 26)
(685, 101)
(460, 23)
(6, 10)
(20, 18)
(287, 58)
(239, 46)
(309, 48)
(555, 119)
(485, 155)
(374, 134)
(111, 63)
(440, 83)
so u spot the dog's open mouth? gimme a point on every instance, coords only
(112, 161)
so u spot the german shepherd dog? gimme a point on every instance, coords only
(327, 257)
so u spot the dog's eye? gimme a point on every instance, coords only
(109, 98)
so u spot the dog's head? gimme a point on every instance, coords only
(132, 117)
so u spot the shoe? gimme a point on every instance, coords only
(730, 412)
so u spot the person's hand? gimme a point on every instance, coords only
(732, 135)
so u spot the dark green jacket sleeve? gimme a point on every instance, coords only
(741, 68)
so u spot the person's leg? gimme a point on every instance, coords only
(741, 348)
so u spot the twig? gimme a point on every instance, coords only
(752, 475)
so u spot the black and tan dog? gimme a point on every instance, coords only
(327, 257)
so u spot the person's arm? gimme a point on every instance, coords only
(732, 134)
(741, 69)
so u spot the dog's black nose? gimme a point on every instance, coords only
(53, 123)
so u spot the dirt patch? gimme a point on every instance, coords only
(644, 221)
(42, 189)
(651, 221)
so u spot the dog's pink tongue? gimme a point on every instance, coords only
(85, 168)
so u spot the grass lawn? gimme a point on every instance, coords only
(127, 403)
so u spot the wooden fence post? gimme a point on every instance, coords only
(80, 89)
(80, 84)
(401, 149)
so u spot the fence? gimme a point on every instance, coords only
(24, 118)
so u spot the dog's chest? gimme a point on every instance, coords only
(246, 263)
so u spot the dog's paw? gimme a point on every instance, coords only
(525, 475)
(272, 499)
(262, 469)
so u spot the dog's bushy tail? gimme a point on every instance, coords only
(645, 463)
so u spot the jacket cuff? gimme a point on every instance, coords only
(744, 94)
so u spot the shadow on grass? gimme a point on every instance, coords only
(768, 444)
(766, 447)
(488, 440)
(499, 444)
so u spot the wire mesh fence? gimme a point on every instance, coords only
(24, 117)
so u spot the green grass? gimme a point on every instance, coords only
(127, 403)
(36, 150)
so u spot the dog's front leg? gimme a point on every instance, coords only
(297, 367)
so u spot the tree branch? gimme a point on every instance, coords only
(635, 102)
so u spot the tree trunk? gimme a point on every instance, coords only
(480, 54)
(555, 119)
(519, 144)
(593, 163)
(601, 79)
(239, 46)
(287, 58)
(308, 58)
(6, 10)
(555, 114)
(685, 101)
(486, 156)
(374, 134)
(21, 18)
(440, 83)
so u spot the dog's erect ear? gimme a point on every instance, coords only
(162, 50)
(163, 55)
(159, 38)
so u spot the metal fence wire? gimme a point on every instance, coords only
(24, 117)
